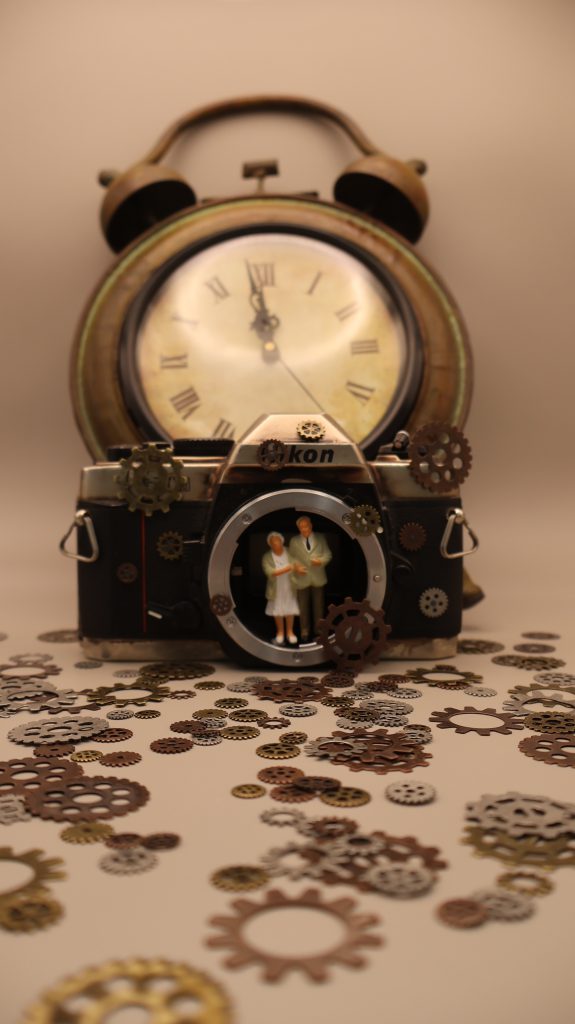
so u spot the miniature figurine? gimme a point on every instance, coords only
(282, 602)
(310, 554)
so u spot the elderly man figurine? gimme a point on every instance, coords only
(309, 553)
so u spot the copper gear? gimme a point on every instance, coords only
(462, 913)
(353, 633)
(412, 536)
(445, 720)
(357, 935)
(119, 984)
(440, 457)
(116, 797)
(240, 878)
(41, 769)
(558, 750)
(170, 545)
(271, 454)
(150, 479)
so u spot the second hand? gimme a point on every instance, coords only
(280, 359)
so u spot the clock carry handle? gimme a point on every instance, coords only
(377, 184)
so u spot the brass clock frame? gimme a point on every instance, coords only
(98, 399)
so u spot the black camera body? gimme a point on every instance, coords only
(199, 547)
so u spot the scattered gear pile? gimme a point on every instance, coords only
(376, 751)
(522, 830)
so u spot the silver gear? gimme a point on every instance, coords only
(503, 905)
(119, 714)
(390, 721)
(61, 730)
(129, 861)
(297, 710)
(274, 862)
(30, 660)
(314, 749)
(480, 691)
(433, 602)
(411, 792)
(279, 817)
(356, 846)
(519, 702)
(13, 809)
(399, 880)
(420, 733)
(519, 815)
(400, 706)
(207, 739)
(557, 679)
(244, 687)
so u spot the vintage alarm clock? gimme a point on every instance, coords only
(218, 311)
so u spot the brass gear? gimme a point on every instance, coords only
(240, 878)
(531, 850)
(364, 520)
(353, 633)
(271, 454)
(116, 985)
(45, 869)
(310, 430)
(86, 832)
(29, 912)
(440, 457)
(170, 545)
(357, 935)
(150, 479)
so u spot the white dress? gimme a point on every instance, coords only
(285, 601)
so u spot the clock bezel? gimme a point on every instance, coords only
(98, 398)
(411, 369)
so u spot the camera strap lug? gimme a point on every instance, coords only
(82, 521)
(456, 517)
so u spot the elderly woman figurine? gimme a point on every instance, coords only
(280, 589)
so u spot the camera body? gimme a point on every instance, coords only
(178, 551)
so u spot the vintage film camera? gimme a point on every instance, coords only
(203, 546)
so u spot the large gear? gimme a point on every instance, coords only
(63, 801)
(357, 935)
(94, 995)
(521, 697)
(353, 633)
(104, 696)
(456, 678)
(22, 775)
(554, 722)
(440, 457)
(520, 814)
(44, 869)
(150, 479)
(445, 720)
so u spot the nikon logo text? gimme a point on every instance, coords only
(309, 455)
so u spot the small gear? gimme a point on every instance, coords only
(282, 819)
(241, 687)
(445, 720)
(88, 664)
(271, 454)
(126, 673)
(558, 750)
(240, 878)
(274, 722)
(161, 841)
(463, 913)
(170, 545)
(13, 809)
(86, 832)
(411, 792)
(412, 536)
(534, 648)
(528, 851)
(326, 829)
(440, 457)
(419, 733)
(231, 703)
(527, 662)
(280, 775)
(339, 679)
(399, 881)
(131, 860)
(29, 912)
(127, 572)
(344, 700)
(120, 714)
(150, 479)
(526, 883)
(297, 710)
(120, 759)
(317, 784)
(207, 739)
(364, 520)
(310, 430)
(115, 736)
(248, 715)
(152, 987)
(294, 738)
(353, 633)
(433, 602)
(164, 671)
(171, 745)
(86, 756)
(239, 732)
(148, 713)
(277, 751)
(558, 679)
(290, 860)
(561, 722)
(503, 905)
(59, 636)
(538, 635)
(213, 684)
(248, 791)
(467, 645)
(346, 796)
(123, 840)
(480, 691)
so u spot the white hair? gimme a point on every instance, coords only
(275, 533)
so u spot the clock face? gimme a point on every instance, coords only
(269, 321)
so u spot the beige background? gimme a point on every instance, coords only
(484, 93)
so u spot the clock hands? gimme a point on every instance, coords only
(264, 323)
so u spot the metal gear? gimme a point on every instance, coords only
(357, 935)
(63, 730)
(240, 878)
(29, 912)
(520, 814)
(20, 776)
(86, 832)
(170, 545)
(411, 792)
(326, 829)
(240, 732)
(462, 913)
(281, 818)
(400, 881)
(280, 775)
(558, 750)
(271, 454)
(353, 633)
(62, 801)
(44, 869)
(115, 736)
(171, 745)
(538, 635)
(558, 679)
(521, 697)
(161, 841)
(534, 648)
(105, 695)
(433, 602)
(503, 905)
(560, 722)
(297, 710)
(467, 645)
(155, 986)
(277, 751)
(364, 520)
(440, 457)
(531, 850)
(340, 679)
(525, 661)
(346, 796)
(131, 860)
(445, 720)
(479, 691)
(120, 759)
(412, 536)
(59, 636)
(294, 738)
(526, 883)
(150, 479)
(164, 671)
(310, 430)
(119, 714)
(276, 722)
(13, 809)
(248, 791)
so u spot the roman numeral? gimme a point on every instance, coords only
(218, 288)
(224, 429)
(346, 311)
(314, 283)
(361, 348)
(174, 362)
(186, 402)
(264, 274)
(359, 391)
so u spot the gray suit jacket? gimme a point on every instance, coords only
(316, 575)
